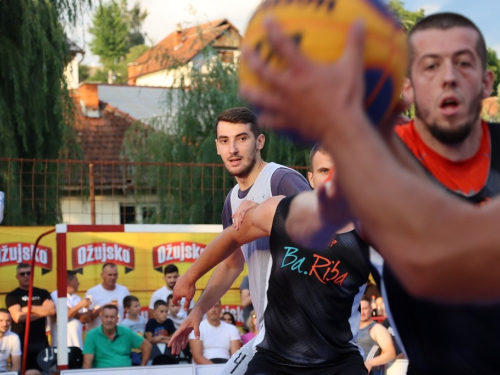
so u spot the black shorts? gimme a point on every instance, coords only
(264, 363)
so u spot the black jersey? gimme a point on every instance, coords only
(312, 314)
(449, 338)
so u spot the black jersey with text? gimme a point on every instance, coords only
(312, 314)
(449, 338)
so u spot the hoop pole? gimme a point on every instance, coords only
(62, 307)
(30, 296)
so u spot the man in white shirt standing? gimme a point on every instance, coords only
(10, 345)
(218, 340)
(106, 293)
(77, 312)
(170, 275)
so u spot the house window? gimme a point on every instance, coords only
(127, 214)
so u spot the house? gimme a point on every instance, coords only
(103, 114)
(184, 49)
(71, 70)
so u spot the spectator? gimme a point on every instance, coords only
(10, 345)
(135, 322)
(246, 301)
(397, 348)
(373, 336)
(106, 293)
(77, 312)
(173, 312)
(228, 318)
(110, 345)
(41, 307)
(218, 340)
(170, 275)
(252, 328)
(160, 328)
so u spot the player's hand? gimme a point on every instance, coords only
(241, 211)
(306, 97)
(180, 337)
(184, 287)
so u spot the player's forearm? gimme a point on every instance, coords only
(423, 232)
(214, 253)
(220, 282)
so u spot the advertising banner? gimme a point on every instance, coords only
(140, 258)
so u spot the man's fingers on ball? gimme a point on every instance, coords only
(282, 44)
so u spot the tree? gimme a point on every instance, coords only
(493, 64)
(35, 106)
(116, 30)
(134, 19)
(132, 55)
(110, 32)
(407, 18)
(185, 133)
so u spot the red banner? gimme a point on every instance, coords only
(21, 252)
(103, 252)
(173, 252)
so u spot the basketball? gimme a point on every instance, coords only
(320, 27)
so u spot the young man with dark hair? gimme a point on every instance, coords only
(110, 345)
(301, 335)
(41, 307)
(239, 144)
(373, 334)
(77, 312)
(170, 275)
(433, 243)
(108, 292)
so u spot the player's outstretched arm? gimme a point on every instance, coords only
(257, 224)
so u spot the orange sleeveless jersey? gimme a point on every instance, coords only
(467, 176)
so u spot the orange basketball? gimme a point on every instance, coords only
(320, 29)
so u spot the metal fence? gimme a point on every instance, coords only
(45, 192)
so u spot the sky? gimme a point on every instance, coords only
(164, 15)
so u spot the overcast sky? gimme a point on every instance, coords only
(164, 15)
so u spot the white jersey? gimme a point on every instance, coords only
(256, 253)
(10, 345)
(100, 297)
(74, 328)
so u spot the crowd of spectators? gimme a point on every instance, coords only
(117, 334)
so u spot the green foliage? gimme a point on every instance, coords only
(116, 31)
(110, 32)
(407, 18)
(35, 106)
(83, 72)
(98, 76)
(132, 55)
(185, 133)
(493, 64)
(134, 19)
